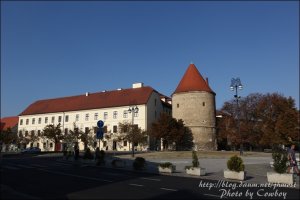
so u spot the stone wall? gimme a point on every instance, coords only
(197, 110)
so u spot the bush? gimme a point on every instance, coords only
(88, 154)
(166, 165)
(280, 159)
(115, 161)
(100, 157)
(195, 159)
(235, 163)
(139, 163)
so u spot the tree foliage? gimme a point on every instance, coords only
(265, 120)
(172, 131)
(133, 134)
(53, 133)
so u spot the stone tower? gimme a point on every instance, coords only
(194, 102)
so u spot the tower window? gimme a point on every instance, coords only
(178, 105)
(203, 103)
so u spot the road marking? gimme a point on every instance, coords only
(10, 167)
(150, 179)
(212, 195)
(169, 189)
(136, 185)
(77, 176)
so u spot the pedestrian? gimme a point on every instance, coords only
(76, 151)
(292, 159)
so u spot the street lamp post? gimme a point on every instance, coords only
(235, 85)
(133, 110)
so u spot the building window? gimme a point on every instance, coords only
(66, 131)
(44, 145)
(26, 133)
(178, 105)
(87, 130)
(52, 120)
(27, 121)
(95, 129)
(31, 144)
(125, 114)
(51, 145)
(105, 115)
(32, 133)
(77, 118)
(136, 114)
(203, 103)
(96, 116)
(115, 129)
(125, 143)
(39, 132)
(33, 121)
(115, 115)
(40, 120)
(21, 121)
(59, 119)
(104, 143)
(66, 118)
(38, 145)
(46, 120)
(87, 117)
(20, 134)
(105, 129)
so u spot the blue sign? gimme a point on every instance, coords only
(100, 123)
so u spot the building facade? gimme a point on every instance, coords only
(194, 102)
(86, 110)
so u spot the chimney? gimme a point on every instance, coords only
(86, 94)
(207, 81)
(137, 85)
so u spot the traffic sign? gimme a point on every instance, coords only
(100, 123)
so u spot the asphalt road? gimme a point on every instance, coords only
(31, 177)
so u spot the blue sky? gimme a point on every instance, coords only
(56, 49)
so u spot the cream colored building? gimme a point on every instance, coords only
(85, 110)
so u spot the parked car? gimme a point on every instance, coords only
(31, 150)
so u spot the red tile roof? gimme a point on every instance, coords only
(124, 97)
(9, 122)
(192, 80)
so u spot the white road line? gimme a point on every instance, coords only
(212, 195)
(136, 185)
(10, 167)
(169, 189)
(150, 179)
(77, 176)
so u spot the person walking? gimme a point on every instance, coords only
(292, 159)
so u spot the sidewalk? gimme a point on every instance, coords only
(256, 168)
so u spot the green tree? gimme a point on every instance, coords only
(53, 133)
(7, 137)
(133, 134)
(172, 131)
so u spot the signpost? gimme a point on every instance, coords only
(100, 133)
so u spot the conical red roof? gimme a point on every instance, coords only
(192, 81)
